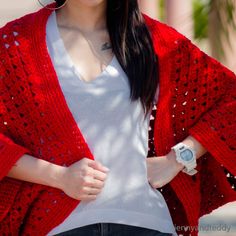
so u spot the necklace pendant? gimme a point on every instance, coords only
(106, 46)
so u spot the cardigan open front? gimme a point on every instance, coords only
(197, 97)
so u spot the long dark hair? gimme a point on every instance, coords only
(133, 47)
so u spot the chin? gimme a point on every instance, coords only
(91, 3)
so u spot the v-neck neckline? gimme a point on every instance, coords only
(64, 115)
(68, 60)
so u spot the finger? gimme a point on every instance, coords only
(99, 175)
(87, 172)
(95, 183)
(98, 166)
(96, 174)
(91, 191)
(86, 197)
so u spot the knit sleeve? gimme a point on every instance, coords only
(10, 150)
(214, 88)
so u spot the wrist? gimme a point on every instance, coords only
(56, 174)
(172, 156)
(186, 155)
(193, 143)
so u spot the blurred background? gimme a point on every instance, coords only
(211, 24)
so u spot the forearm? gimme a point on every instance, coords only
(192, 142)
(31, 169)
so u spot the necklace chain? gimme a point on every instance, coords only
(104, 46)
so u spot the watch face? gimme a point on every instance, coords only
(186, 155)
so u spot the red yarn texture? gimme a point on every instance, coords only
(197, 97)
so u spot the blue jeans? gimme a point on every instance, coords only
(112, 229)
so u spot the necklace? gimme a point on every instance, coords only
(104, 46)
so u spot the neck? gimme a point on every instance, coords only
(86, 18)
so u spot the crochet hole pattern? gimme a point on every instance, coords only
(17, 81)
(33, 204)
(203, 99)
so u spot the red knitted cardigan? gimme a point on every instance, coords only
(197, 97)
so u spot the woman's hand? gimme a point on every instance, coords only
(84, 179)
(161, 170)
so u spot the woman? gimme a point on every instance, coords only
(79, 80)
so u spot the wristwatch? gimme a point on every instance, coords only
(187, 156)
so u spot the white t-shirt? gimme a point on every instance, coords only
(117, 135)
